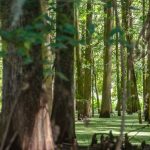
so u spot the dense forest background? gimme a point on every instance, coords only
(64, 62)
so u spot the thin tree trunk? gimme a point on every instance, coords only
(144, 61)
(96, 89)
(118, 107)
(93, 98)
(88, 61)
(123, 78)
(147, 98)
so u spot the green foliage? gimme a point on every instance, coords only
(91, 28)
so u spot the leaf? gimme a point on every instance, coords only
(62, 38)
(3, 53)
(57, 45)
(82, 42)
(91, 28)
(62, 76)
(107, 4)
(39, 26)
(21, 52)
(134, 8)
(27, 60)
(116, 30)
(48, 72)
(69, 28)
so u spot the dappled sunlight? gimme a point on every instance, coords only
(137, 132)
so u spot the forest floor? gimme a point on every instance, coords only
(136, 132)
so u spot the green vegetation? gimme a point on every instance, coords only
(58, 57)
(137, 132)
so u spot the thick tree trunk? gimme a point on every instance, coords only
(25, 101)
(63, 105)
(133, 104)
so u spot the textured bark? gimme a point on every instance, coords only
(144, 60)
(96, 87)
(106, 91)
(133, 104)
(147, 98)
(63, 105)
(47, 56)
(25, 101)
(79, 72)
(88, 62)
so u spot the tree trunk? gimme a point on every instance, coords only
(25, 102)
(118, 107)
(147, 90)
(96, 88)
(88, 61)
(144, 61)
(106, 91)
(63, 104)
(147, 112)
(133, 104)
(79, 72)
(47, 56)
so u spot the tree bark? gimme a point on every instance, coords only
(133, 104)
(106, 91)
(118, 107)
(63, 104)
(88, 61)
(25, 101)
(79, 72)
(147, 98)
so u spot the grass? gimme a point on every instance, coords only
(137, 132)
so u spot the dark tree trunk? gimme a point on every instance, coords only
(63, 105)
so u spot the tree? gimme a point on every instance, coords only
(79, 70)
(132, 93)
(25, 119)
(88, 61)
(106, 91)
(144, 60)
(147, 96)
(118, 107)
(63, 104)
